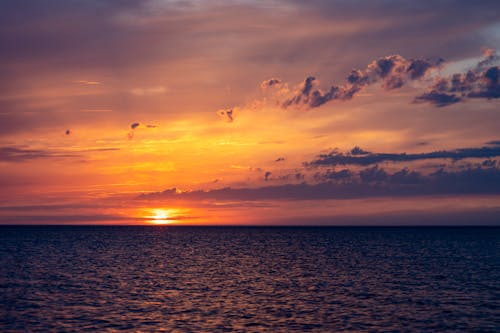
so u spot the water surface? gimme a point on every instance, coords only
(223, 279)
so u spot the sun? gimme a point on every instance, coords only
(161, 216)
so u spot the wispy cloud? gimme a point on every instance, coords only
(21, 154)
(88, 83)
(17, 154)
(96, 110)
(149, 91)
(357, 156)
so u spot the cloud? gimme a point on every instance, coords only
(270, 83)
(96, 110)
(338, 176)
(267, 175)
(226, 114)
(17, 154)
(367, 158)
(21, 154)
(373, 175)
(358, 151)
(371, 182)
(392, 72)
(133, 126)
(482, 81)
(490, 58)
(280, 159)
(437, 98)
(488, 85)
(489, 163)
(150, 91)
(88, 83)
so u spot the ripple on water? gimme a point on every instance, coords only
(249, 279)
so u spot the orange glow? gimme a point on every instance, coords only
(103, 136)
(162, 216)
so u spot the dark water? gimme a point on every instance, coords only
(193, 279)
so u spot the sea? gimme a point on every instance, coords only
(249, 279)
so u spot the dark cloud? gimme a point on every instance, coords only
(280, 159)
(344, 175)
(371, 182)
(338, 158)
(267, 175)
(376, 175)
(405, 176)
(358, 151)
(299, 176)
(482, 81)
(490, 58)
(489, 163)
(226, 114)
(133, 126)
(392, 72)
(273, 82)
(395, 71)
(488, 86)
(373, 175)
(419, 67)
(437, 98)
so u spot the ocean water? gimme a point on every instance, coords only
(235, 279)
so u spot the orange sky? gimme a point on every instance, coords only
(75, 77)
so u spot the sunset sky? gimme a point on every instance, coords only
(250, 112)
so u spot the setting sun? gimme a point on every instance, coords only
(161, 215)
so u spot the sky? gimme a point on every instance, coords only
(250, 112)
